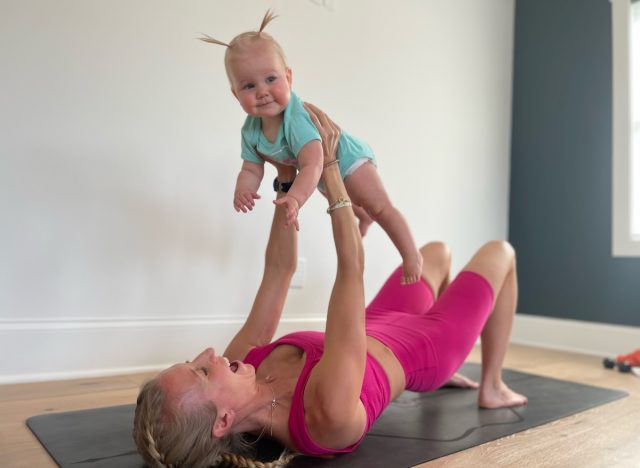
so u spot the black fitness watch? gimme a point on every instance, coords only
(281, 186)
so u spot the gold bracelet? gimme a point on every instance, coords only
(339, 203)
(330, 163)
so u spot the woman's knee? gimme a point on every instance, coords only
(436, 264)
(494, 260)
(437, 253)
(500, 249)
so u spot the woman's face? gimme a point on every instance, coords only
(214, 378)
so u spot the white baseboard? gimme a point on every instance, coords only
(593, 338)
(38, 350)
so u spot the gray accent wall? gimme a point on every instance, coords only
(560, 199)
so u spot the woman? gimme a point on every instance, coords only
(319, 393)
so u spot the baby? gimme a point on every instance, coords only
(279, 129)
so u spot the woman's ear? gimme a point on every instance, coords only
(222, 424)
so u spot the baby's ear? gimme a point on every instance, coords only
(233, 91)
(289, 74)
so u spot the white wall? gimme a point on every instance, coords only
(119, 148)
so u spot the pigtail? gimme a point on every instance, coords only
(246, 39)
(268, 17)
(211, 40)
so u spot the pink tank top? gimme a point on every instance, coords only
(374, 395)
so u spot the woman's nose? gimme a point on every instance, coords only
(208, 353)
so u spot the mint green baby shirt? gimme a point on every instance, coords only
(297, 130)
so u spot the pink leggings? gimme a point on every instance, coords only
(430, 339)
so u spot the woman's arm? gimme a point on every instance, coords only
(279, 266)
(334, 414)
(310, 170)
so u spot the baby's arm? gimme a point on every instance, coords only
(247, 186)
(310, 163)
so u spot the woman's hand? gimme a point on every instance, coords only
(329, 131)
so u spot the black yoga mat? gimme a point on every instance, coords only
(415, 428)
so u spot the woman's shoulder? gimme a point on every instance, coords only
(331, 428)
(289, 347)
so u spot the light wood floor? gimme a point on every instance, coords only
(606, 436)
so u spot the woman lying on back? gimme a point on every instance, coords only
(319, 393)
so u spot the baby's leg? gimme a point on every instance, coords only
(364, 220)
(366, 190)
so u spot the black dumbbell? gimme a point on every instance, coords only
(624, 367)
(608, 363)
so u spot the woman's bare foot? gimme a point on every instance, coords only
(411, 268)
(491, 397)
(461, 381)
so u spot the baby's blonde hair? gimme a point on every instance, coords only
(171, 437)
(248, 39)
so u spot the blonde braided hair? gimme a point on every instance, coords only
(171, 435)
(240, 461)
(247, 39)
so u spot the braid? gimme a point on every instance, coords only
(241, 461)
(169, 434)
(153, 449)
(143, 431)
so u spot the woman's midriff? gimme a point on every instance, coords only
(390, 364)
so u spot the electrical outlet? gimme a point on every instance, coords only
(297, 282)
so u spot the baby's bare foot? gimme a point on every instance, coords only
(411, 268)
(499, 397)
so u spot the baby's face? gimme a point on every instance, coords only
(260, 80)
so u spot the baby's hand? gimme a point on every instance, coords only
(291, 207)
(243, 200)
